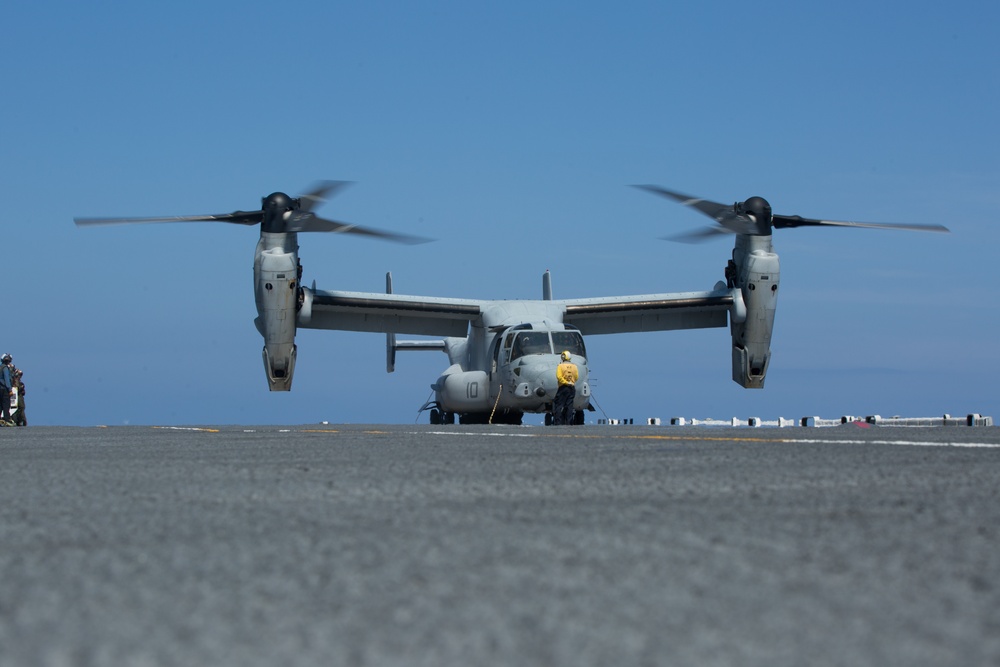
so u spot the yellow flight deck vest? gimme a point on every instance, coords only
(567, 373)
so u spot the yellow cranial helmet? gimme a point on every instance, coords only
(565, 355)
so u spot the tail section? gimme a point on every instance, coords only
(391, 344)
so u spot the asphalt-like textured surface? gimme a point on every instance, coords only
(461, 545)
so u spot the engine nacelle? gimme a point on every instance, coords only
(463, 391)
(276, 293)
(758, 277)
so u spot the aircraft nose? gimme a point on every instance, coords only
(539, 376)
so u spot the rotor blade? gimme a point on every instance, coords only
(712, 209)
(724, 214)
(309, 222)
(699, 235)
(320, 192)
(782, 221)
(237, 217)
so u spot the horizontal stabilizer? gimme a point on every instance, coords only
(391, 345)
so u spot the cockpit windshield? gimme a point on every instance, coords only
(531, 342)
(568, 340)
(538, 342)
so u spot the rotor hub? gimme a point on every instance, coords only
(277, 206)
(759, 211)
(758, 207)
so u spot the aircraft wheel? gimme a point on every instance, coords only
(548, 419)
(578, 418)
(448, 418)
(474, 418)
(436, 417)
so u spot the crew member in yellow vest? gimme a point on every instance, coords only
(567, 374)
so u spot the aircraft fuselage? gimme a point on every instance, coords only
(507, 364)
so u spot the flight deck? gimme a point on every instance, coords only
(500, 545)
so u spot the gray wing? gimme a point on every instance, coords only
(439, 316)
(655, 312)
(387, 313)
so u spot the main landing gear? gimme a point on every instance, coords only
(440, 417)
(578, 418)
(509, 417)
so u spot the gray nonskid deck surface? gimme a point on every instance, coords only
(396, 545)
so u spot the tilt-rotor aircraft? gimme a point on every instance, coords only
(503, 353)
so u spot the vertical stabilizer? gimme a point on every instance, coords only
(390, 338)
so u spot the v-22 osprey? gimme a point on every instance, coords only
(503, 353)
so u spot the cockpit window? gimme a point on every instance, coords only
(531, 342)
(568, 340)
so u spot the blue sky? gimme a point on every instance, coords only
(509, 132)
